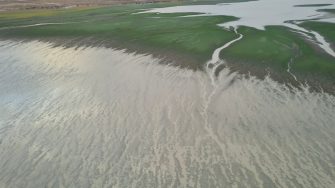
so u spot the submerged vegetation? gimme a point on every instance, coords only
(193, 36)
(277, 46)
(196, 37)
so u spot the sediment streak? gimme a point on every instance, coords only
(215, 62)
(316, 37)
(312, 36)
(288, 70)
(211, 68)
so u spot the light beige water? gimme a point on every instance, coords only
(96, 117)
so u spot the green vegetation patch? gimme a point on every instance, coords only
(325, 29)
(193, 36)
(277, 46)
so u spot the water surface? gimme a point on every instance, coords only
(97, 117)
(262, 13)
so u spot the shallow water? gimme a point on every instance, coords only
(97, 117)
(261, 13)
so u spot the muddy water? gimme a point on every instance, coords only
(96, 117)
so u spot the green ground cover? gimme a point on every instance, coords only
(197, 36)
(325, 29)
(276, 46)
(191, 36)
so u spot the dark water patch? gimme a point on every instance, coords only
(313, 5)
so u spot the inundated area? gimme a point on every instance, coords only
(100, 117)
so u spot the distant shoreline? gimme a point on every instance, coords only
(8, 6)
(188, 61)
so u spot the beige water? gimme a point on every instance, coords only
(96, 117)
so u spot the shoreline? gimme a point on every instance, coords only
(167, 56)
(187, 61)
(7, 7)
(183, 41)
(321, 84)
